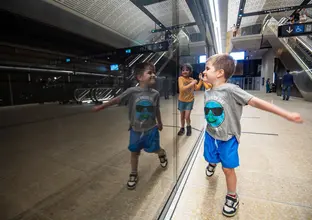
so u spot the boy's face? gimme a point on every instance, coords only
(148, 77)
(210, 74)
(185, 71)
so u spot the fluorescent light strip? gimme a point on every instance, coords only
(214, 8)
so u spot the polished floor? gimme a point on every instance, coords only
(66, 162)
(275, 174)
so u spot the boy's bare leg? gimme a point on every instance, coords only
(133, 178)
(160, 152)
(231, 181)
(134, 162)
(232, 202)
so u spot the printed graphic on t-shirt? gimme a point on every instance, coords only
(214, 113)
(144, 109)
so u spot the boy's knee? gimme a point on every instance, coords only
(228, 171)
(135, 154)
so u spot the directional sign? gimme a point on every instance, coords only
(290, 30)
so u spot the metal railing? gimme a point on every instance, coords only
(83, 95)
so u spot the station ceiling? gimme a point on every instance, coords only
(258, 5)
(131, 21)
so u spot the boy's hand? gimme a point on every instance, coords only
(294, 117)
(194, 81)
(201, 76)
(160, 126)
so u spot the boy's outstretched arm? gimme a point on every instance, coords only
(266, 106)
(111, 102)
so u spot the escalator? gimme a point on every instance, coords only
(294, 53)
(96, 95)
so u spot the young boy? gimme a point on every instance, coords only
(143, 104)
(223, 109)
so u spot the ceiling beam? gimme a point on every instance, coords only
(240, 13)
(276, 10)
(201, 17)
(146, 2)
(149, 14)
(175, 27)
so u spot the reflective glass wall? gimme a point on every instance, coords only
(67, 150)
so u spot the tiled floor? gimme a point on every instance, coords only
(275, 176)
(66, 162)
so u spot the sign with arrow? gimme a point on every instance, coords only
(290, 30)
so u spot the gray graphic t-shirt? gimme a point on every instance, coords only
(142, 104)
(223, 111)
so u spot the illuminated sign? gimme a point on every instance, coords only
(295, 29)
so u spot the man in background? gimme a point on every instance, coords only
(287, 83)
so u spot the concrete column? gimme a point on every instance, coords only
(267, 67)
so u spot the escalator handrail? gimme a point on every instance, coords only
(135, 59)
(274, 28)
(304, 44)
(161, 56)
(140, 55)
(165, 64)
(79, 97)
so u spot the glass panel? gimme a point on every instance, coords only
(56, 154)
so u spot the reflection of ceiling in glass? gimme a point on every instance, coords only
(125, 18)
(163, 12)
(120, 15)
(258, 5)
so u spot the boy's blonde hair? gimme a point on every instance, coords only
(224, 62)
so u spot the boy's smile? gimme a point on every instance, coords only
(148, 77)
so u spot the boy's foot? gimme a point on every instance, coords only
(181, 132)
(188, 130)
(231, 205)
(210, 169)
(133, 179)
(163, 160)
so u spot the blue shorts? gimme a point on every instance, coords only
(183, 106)
(148, 140)
(226, 152)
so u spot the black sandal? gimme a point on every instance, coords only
(163, 161)
(210, 169)
(181, 132)
(133, 180)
